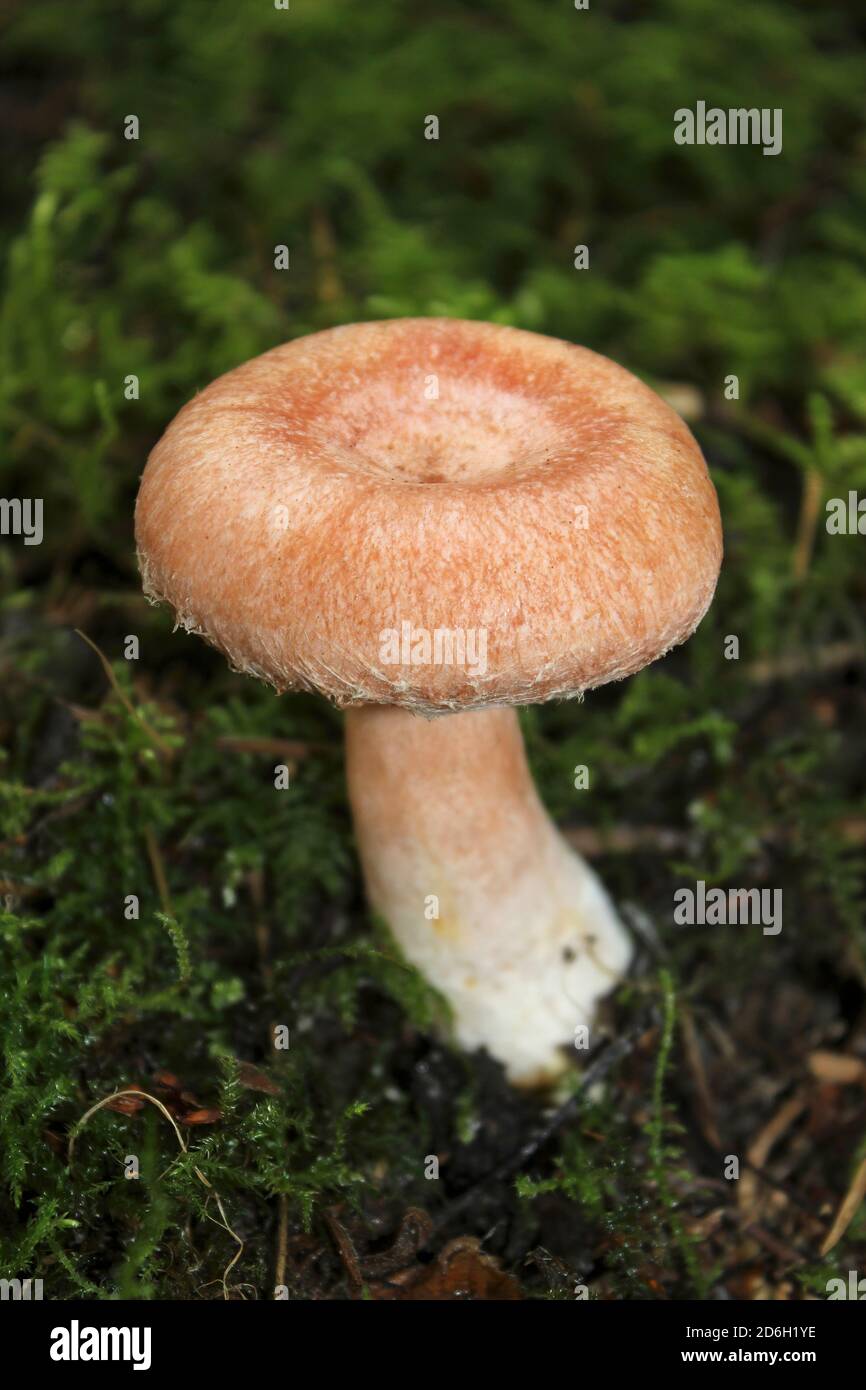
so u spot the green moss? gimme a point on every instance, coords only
(154, 260)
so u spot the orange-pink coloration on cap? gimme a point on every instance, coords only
(425, 475)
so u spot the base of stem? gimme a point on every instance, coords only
(480, 891)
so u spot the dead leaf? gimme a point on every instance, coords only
(201, 1117)
(461, 1272)
(255, 1080)
(125, 1105)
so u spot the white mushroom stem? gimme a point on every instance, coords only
(478, 888)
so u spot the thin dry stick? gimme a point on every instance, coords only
(143, 1095)
(760, 1147)
(154, 737)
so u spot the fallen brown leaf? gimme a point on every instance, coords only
(255, 1080)
(125, 1105)
(461, 1271)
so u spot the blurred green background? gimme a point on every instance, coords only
(154, 258)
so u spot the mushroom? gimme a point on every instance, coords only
(430, 522)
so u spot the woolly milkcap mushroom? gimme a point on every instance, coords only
(430, 517)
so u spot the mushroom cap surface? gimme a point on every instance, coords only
(433, 513)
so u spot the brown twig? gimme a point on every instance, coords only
(761, 1146)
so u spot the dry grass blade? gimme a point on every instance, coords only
(158, 868)
(845, 1214)
(143, 1095)
(807, 526)
(703, 1094)
(154, 737)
